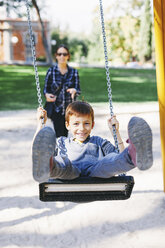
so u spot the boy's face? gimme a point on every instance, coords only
(80, 126)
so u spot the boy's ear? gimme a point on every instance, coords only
(93, 124)
(67, 125)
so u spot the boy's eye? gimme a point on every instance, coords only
(75, 124)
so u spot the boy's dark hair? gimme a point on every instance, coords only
(79, 108)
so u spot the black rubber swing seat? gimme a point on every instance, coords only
(86, 189)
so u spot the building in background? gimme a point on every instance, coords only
(15, 41)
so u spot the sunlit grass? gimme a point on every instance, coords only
(18, 87)
(128, 85)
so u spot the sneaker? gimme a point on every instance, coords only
(43, 149)
(140, 143)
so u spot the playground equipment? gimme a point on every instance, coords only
(84, 189)
(159, 23)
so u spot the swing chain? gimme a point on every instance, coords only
(107, 72)
(34, 56)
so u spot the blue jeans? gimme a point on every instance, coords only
(112, 164)
(107, 166)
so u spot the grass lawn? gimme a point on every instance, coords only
(18, 89)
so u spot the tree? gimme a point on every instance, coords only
(11, 5)
(44, 39)
(145, 43)
(96, 48)
(78, 47)
(122, 29)
(59, 38)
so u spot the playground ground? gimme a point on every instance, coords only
(26, 222)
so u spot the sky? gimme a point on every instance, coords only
(73, 14)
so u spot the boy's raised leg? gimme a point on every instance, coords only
(140, 143)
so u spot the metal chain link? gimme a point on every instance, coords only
(34, 55)
(107, 72)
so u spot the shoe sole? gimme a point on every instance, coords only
(42, 149)
(140, 135)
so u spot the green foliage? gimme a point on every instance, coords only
(123, 41)
(136, 4)
(77, 47)
(13, 5)
(41, 59)
(96, 51)
(59, 38)
(145, 44)
(18, 89)
(123, 24)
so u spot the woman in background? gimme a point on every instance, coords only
(62, 86)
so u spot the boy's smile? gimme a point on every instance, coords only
(80, 126)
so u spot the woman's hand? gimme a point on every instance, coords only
(50, 97)
(113, 122)
(72, 91)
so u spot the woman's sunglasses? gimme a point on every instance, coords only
(64, 54)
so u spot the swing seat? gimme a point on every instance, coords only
(86, 189)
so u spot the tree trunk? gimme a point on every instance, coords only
(44, 39)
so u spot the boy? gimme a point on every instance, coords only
(85, 155)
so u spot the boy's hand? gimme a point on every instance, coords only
(113, 122)
(41, 114)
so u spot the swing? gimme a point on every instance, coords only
(83, 189)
